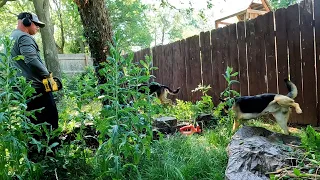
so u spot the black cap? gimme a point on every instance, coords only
(33, 17)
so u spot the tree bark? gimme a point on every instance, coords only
(97, 30)
(49, 45)
(60, 48)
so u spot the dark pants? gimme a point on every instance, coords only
(49, 114)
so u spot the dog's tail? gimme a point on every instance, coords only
(292, 88)
(171, 91)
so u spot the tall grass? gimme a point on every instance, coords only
(188, 157)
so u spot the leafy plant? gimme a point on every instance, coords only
(311, 140)
(126, 119)
(228, 98)
(14, 122)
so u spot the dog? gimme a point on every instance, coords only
(249, 107)
(161, 91)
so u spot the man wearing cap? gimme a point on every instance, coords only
(32, 68)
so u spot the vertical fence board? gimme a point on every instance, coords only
(317, 38)
(270, 54)
(292, 24)
(158, 63)
(309, 81)
(167, 63)
(206, 62)
(225, 56)
(233, 54)
(221, 59)
(251, 58)
(260, 54)
(155, 62)
(193, 66)
(215, 73)
(282, 56)
(178, 68)
(242, 59)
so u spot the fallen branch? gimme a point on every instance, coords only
(291, 174)
(279, 170)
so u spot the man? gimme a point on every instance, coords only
(32, 68)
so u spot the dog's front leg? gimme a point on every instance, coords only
(236, 124)
(282, 120)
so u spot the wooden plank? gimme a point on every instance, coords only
(158, 63)
(186, 62)
(144, 53)
(282, 56)
(293, 29)
(167, 64)
(253, 77)
(215, 67)
(309, 81)
(219, 62)
(179, 69)
(193, 66)
(233, 54)
(270, 54)
(225, 57)
(155, 62)
(242, 59)
(317, 38)
(137, 56)
(205, 43)
(260, 32)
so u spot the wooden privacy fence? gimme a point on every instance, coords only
(74, 63)
(265, 50)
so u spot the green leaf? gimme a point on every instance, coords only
(19, 57)
(234, 74)
(233, 82)
(296, 172)
(54, 145)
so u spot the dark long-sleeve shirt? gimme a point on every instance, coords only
(32, 67)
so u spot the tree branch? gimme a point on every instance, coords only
(3, 2)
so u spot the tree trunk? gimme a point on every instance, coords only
(49, 45)
(97, 30)
(60, 48)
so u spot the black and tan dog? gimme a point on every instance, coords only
(249, 107)
(161, 91)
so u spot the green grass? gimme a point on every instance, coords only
(188, 157)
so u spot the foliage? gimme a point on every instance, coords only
(277, 4)
(307, 158)
(223, 109)
(190, 157)
(188, 111)
(311, 140)
(78, 92)
(9, 12)
(126, 119)
(131, 22)
(70, 21)
(205, 105)
(14, 121)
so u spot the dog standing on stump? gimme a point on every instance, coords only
(249, 107)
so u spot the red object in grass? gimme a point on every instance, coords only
(190, 129)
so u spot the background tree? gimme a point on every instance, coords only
(130, 22)
(49, 46)
(276, 4)
(97, 30)
(41, 8)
